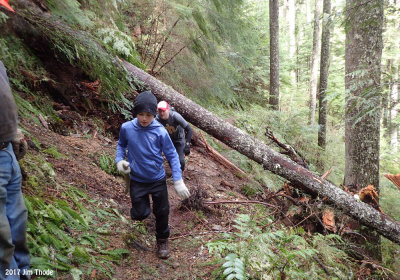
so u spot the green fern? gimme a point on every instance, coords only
(3, 17)
(83, 50)
(116, 255)
(118, 41)
(234, 268)
(53, 245)
(107, 163)
(69, 11)
(273, 251)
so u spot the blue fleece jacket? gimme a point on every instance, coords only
(145, 146)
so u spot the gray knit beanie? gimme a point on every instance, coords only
(145, 102)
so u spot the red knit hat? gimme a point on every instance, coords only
(5, 4)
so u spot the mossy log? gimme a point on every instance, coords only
(271, 160)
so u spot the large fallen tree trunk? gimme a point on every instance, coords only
(268, 158)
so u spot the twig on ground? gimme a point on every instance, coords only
(240, 202)
(374, 264)
(295, 202)
(197, 218)
(198, 233)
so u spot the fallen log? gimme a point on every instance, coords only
(271, 160)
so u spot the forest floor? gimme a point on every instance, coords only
(191, 227)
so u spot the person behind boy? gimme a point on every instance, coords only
(143, 140)
(178, 128)
(14, 252)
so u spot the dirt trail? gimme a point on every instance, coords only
(190, 229)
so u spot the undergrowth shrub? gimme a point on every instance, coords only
(53, 152)
(120, 44)
(70, 12)
(69, 238)
(258, 250)
(107, 163)
(26, 74)
(81, 49)
(291, 128)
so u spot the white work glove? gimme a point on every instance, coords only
(20, 146)
(181, 189)
(123, 167)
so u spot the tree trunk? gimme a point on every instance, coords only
(274, 54)
(394, 107)
(386, 98)
(363, 96)
(308, 11)
(314, 63)
(324, 72)
(268, 158)
(363, 58)
(394, 94)
(292, 40)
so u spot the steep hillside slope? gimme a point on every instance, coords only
(73, 95)
(75, 161)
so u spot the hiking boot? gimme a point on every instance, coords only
(162, 248)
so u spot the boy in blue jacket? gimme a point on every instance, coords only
(143, 140)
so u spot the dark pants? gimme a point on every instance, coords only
(179, 146)
(140, 197)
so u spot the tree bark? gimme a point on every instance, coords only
(362, 63)
(274, 54)
(268, 158)
(314, 63)
(394, 100)
(292, 40)
(363, 55)
(394, 94)
(324, 72)
(386, 98)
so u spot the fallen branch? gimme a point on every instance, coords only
(196, 217)
(43, 121)
(240, 202)
(196, 234)
(295, 202)
(377, 266)
(220, 158)
(327, 173)
(321, 264)
(394, 178)
(290, 151)
(245, 202)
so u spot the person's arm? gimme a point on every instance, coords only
(188, 138)
(8, 109)
(122, 164)
(188, 131)
(173, 159)
(170, 153)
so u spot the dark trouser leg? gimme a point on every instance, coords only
(141, 204)
(161, 211)
(179, 146)
(140, 201)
